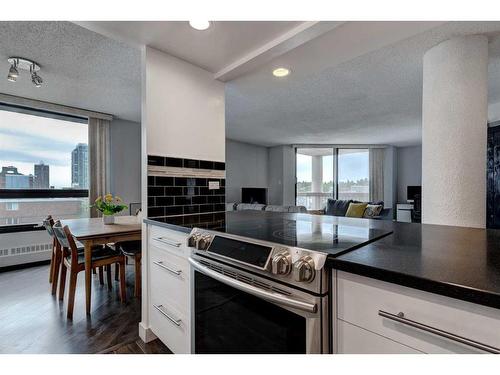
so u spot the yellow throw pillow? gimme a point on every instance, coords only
(356, 209)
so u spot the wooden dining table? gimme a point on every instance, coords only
(92, 231)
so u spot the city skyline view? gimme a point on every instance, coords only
(26, 140)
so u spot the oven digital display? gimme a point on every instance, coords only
(249, 253)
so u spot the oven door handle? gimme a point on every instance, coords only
(258, 292)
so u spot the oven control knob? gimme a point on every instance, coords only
(303, 269)
(281, 264)
(203, 242)
(191, 241)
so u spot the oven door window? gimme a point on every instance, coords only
(230, 321)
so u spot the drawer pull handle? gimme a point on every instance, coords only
(160, 264)
(168, 241)
(400, 318)
(177, 322)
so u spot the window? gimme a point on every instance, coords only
(329, 172)
(43, 166)
(314, 177)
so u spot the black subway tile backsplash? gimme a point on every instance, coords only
(164, 201)
(183, 201)
(173, 162)
(199, 199)
(189, 210)
(190, 163)
(207, 208)
(219, 166)
(186, 200)
(185, 163)
(174, 210)
(173, 191)
(204, 164)
(156, 211)
(156, 191)
(156, 160)
(164, 181)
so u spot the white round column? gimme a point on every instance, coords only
(454, 132)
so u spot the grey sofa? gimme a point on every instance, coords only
(338, 207)
(263, 207)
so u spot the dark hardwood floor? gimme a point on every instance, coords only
(33, 321)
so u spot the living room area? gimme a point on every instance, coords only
(326, 133)
(380, 181)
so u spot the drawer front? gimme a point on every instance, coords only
(171, 326)
(360, 299)
(355, 340)
(169, 278)
(169, 240)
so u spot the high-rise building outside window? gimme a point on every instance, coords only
(43, 166)
(79, 166)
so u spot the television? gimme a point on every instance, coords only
(254, 195)
(411, 191)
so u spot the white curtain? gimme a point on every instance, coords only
(377, 174)
(98, 160)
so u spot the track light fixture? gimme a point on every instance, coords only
(13, 72)
(22, 63)
(35, 78)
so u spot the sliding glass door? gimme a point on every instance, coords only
(329, 172)
(315, 171)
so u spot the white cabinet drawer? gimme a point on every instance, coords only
(171, 326)
(169, 240)
(355, 340)
(360, 299)
(169, 278)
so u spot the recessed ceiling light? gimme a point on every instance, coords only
(199, 25)
(281, 72)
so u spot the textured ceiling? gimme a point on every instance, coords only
(372, 99)
(212, 49)
(80, 68)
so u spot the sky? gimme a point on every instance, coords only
(352, 166)
(26, 140)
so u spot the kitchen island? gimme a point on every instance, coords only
(389, 288)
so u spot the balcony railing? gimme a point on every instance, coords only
(313, 200)
(317, 200)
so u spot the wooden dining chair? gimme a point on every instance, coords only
(133, 249)
(55, 260)
(74, 262)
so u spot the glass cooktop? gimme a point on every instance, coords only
(329, 234)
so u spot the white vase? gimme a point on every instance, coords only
(108, 219)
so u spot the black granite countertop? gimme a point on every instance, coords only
(462, 263)
(164, 224)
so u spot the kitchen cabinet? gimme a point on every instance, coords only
(166, 303)
(415, 320)
(356, 340)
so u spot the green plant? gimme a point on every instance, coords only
(109, 205)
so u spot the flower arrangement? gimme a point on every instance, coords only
(109, 205)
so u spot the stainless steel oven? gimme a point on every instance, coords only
(248, 297)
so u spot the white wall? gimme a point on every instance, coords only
(125, 160)
(246, 166)
(409, 170)
(183, 109)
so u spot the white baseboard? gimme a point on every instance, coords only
(145, 333)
